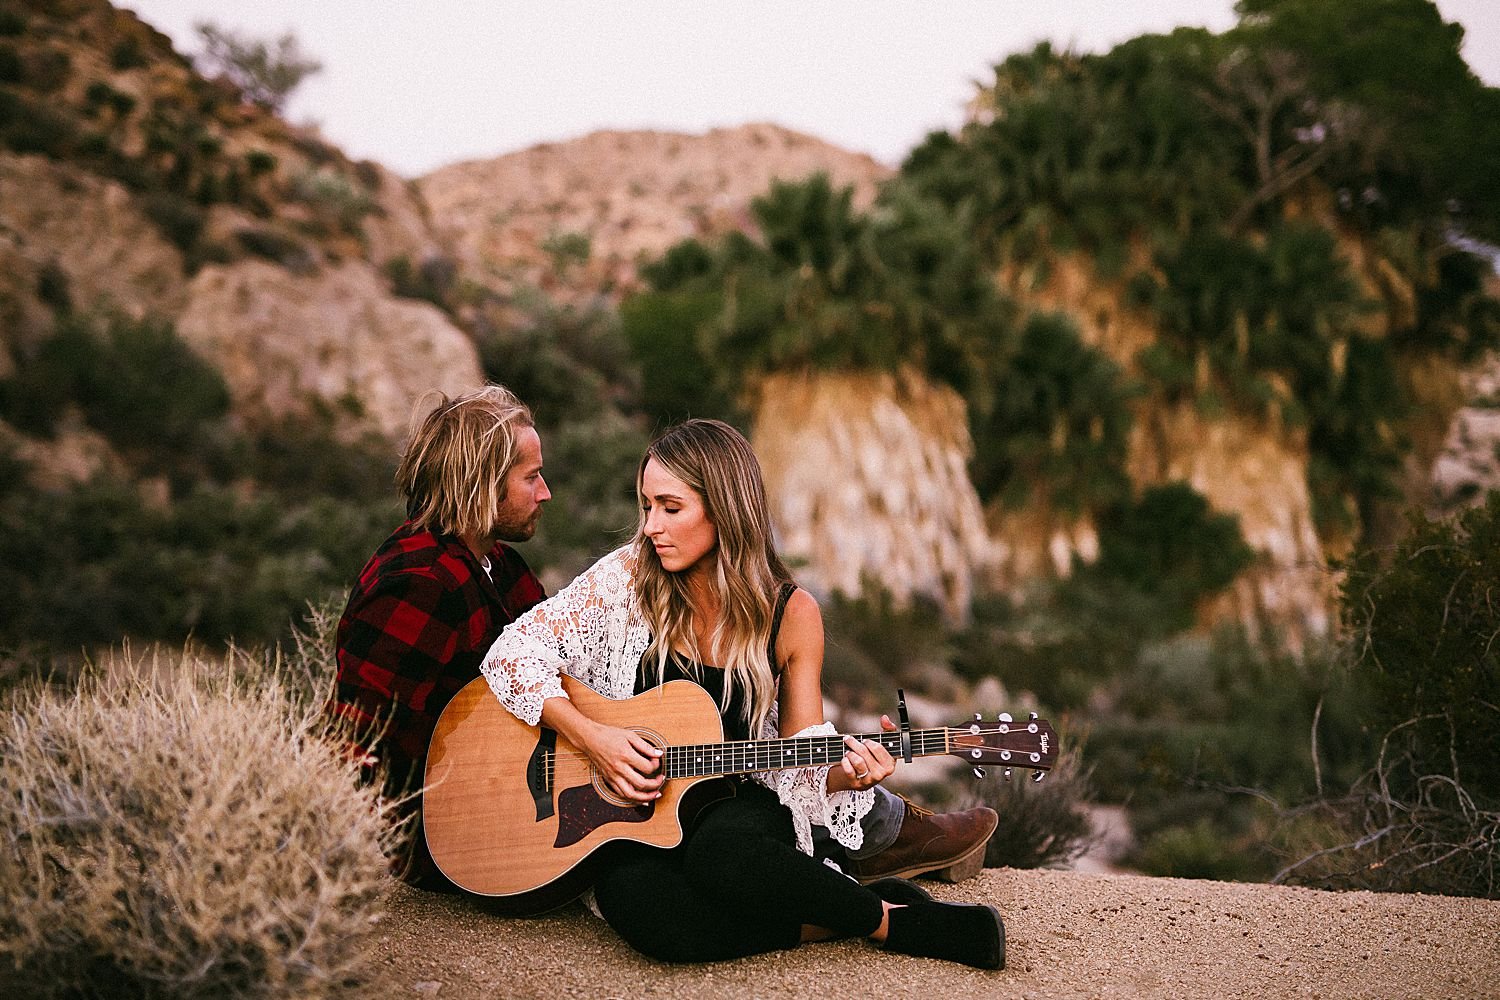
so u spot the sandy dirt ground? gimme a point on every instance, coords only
(1070, 935)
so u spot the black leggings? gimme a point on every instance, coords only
(736, 886)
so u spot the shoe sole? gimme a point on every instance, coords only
(1000, 939)
(956, 869)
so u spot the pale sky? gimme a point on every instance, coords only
(418, 85)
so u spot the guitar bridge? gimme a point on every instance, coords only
(539, 772)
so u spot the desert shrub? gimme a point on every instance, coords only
(277, 247)
(433, 280)
(1159, 556)
(902, 638)
(213, 563)
(1041, 824)
(128, 53)
(1424, 625)
(136, 382)
(45, 70)
(180, 220)
(1172, 547)
(182, 828)
(29, 125)
(337, 202)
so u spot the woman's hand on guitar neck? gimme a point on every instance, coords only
(865, 764)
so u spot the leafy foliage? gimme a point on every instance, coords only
(1216, 177)
(265, 71)
(1057, 419)
(1159, 556)
(823, 287)
(249, 528)
(1423, 624)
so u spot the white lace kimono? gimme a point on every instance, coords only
(592, 630)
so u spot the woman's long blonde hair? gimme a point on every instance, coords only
(716, 462)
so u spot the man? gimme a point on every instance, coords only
(434, 596)
(438, 591)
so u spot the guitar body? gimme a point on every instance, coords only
(516, 813)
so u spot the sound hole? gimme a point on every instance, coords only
(603, 788)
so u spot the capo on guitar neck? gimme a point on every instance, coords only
(905, 725)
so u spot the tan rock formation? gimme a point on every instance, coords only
(630, 194)
(1242, 467)
(335, 340)
(1468, 466)
(867, 476)
(399, 227)
(93, 230)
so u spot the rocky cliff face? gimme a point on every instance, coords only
(1468, 465)
(155, 192)
(868, 481)
(625, 196)
(333, 342)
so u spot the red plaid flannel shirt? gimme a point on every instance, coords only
(417, 626)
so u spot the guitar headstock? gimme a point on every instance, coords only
(1029, 743)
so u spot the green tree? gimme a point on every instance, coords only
(265, 71)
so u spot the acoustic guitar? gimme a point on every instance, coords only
(516, 813)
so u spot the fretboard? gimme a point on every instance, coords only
(697, 760)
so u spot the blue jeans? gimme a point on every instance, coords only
(881, 825)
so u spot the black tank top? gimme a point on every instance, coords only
(711, 678)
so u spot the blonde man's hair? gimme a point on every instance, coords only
(455, 467)
(717, 463)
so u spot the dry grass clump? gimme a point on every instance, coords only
(182, 827)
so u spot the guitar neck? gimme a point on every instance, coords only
(742, 757)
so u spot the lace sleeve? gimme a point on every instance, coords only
(573, 631)
(804, 791)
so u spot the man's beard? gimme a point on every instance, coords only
(518, 532)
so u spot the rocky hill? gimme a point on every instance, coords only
(580, 215)
(130, 183)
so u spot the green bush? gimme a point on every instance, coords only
(1057, 423)
(823, 287)
(137, 383)
(1424, 628)
(1425, 623)
(183, 828)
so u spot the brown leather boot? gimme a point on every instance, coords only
(948, 846)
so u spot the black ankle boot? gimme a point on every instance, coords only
(902, 892)
(956, 932)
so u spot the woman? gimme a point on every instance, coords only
(700, 593)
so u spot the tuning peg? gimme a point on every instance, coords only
(1036, 777)
(1003, 717)
(1007, 774)
(979, 772)
(1032, 716)
(978, 717)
